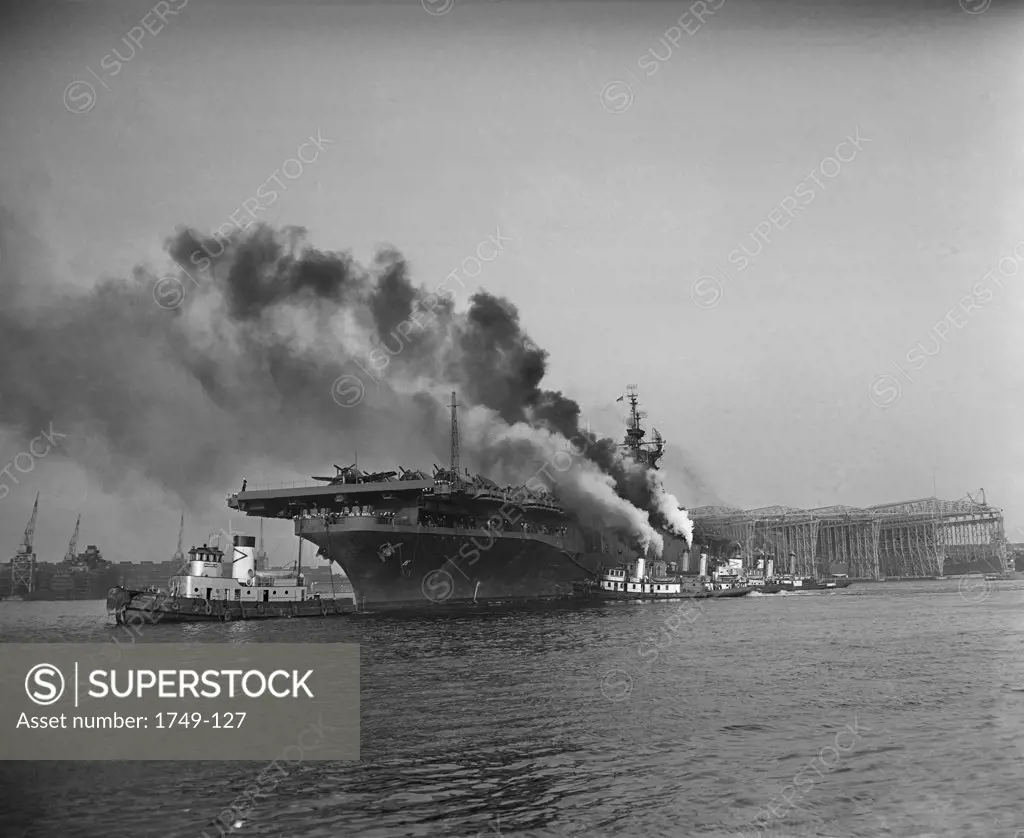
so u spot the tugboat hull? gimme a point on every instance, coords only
(123, 603)
(654, 595)
(807, 585)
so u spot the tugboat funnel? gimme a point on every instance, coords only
(243, 559)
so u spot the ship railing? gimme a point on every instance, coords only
(295, 484)
(510, 495)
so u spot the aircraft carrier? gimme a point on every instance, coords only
(407, 539)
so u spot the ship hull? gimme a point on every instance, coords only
(130, 606)
(418, 567)
(653, 595)
(808, 585)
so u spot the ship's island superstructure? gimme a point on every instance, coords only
(408, 539)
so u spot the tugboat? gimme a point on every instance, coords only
(211, 587)
(792, 582)
(631, 581)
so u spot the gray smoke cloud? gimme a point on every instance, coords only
(186, 380)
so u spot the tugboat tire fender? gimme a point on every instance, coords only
(260, 609)
(208, 609)
(323, 608)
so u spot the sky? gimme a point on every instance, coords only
(783, 223)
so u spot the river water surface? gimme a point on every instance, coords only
(903, 705)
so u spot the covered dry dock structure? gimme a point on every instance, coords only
(918, 538)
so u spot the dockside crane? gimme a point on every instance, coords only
(30, 530)
(23, 565)
(179, 555)
(262, 561)
(72, 553)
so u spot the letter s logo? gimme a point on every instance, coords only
(44, 684)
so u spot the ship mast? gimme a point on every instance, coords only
(634, 430)
(454, 466)
(646, 453)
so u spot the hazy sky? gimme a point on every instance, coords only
(508, 116)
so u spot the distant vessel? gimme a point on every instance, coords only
(212, 587)
(776, 582)
(796, 583)
(79, 576)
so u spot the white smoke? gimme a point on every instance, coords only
(535, 457)
(678, 520)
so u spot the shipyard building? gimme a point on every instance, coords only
(921, 538)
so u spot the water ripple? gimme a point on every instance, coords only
(497, 725)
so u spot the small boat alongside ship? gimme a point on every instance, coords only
(631, 581)
(808, 583)
(211, 587)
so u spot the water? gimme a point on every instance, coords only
(506, 725)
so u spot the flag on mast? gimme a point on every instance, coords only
(620, 398)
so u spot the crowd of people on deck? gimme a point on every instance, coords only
(435, 519)
(495, 522)
(383, 516)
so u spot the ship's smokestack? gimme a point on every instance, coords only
(703, 565)
(769, 568)
(243, 562)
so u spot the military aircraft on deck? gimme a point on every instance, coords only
(351, 474)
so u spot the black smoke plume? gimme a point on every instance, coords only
(189, 379)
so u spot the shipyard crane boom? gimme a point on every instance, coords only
(73, 544)
(179, 555)
(30, 530)
(262, 562)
